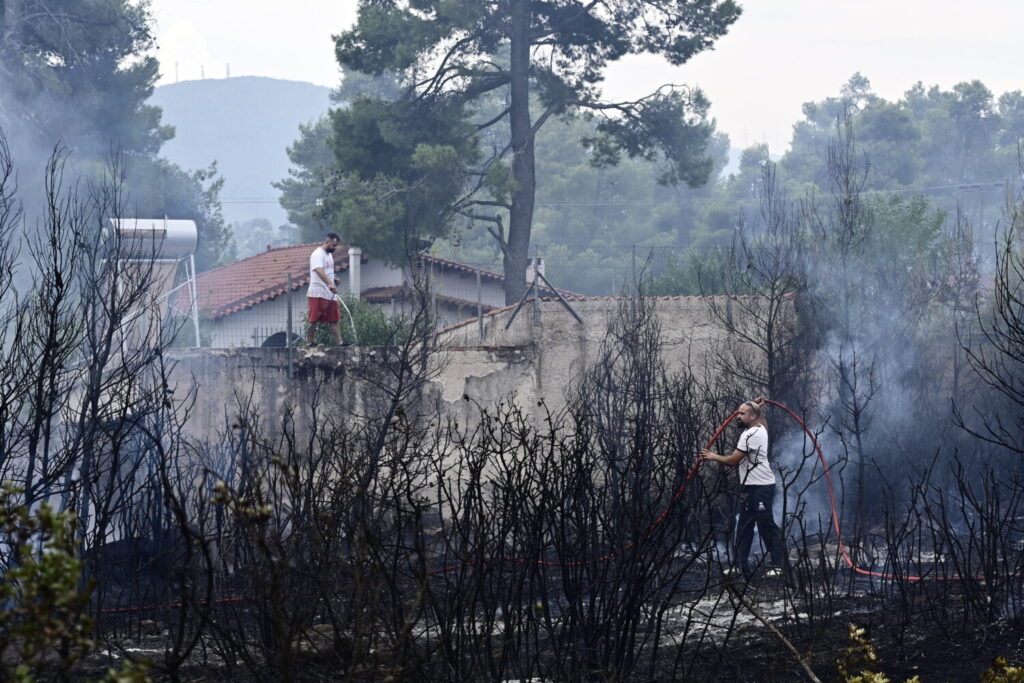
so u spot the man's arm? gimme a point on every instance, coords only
(731, 460)
(323, 276)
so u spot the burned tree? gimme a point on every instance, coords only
(996, 351)
(764, 275)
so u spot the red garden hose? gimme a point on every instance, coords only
(682, 489)
(661, 518)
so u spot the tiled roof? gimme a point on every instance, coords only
(243, 284)
(488, 274)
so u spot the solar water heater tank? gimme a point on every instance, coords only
(160, 238)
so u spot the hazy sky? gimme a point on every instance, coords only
(780, 54)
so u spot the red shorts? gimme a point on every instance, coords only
(323, 310)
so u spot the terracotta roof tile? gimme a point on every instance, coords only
(240, 285)
(488, 274)
(243, 284)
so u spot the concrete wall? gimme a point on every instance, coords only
(540, 356)
(564, 348)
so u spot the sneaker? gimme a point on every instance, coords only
(773, 572)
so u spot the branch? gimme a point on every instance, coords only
(624, 107)
(488, 202)
(771, 627)
(443, 66)
(542, 119)
(499, 117)
(480, 217)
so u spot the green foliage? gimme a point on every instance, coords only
(856, 662)
(77, 74)
(588, 216)
(1002, 672)
(78, 71)
(697, 272)
(511, 68)
(45, 624)
(594, 203)
(156, 187)
(303, 192)
(256, 234)
(928, 138)
(674, 127)
(373, 326)
(399, 180)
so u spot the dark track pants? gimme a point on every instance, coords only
(756, 508)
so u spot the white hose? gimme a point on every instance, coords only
(351, 320)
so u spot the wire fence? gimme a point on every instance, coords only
(231, 316)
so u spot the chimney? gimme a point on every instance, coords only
(355, 255)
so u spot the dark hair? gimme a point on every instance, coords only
(332, 236)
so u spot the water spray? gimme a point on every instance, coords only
(351, 320)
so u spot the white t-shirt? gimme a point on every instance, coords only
(320, 259)
(755, 470)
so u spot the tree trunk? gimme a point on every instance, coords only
(521, 213)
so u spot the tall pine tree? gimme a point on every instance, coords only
(431, 149)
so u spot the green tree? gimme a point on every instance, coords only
(77, 71)
(77, 74)
(553, 54)
(404, 162)
(929, 138)
(257, 234)
(304, 190)
(45, 622)
(156, 187)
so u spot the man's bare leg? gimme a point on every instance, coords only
(335, 329)
(310, 334)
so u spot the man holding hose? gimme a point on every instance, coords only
(322, 294)
(757, 489)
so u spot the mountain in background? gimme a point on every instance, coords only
(245, 124)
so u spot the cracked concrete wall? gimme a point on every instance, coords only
(539, 357)
(564, 347)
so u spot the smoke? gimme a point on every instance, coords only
(887, 290)
(893, 295)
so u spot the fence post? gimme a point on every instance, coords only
(194, 297)
(536, 287)
(479, 306)
(291, 349)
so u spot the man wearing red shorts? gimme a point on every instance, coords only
(322, 294)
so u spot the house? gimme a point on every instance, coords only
(248, 303)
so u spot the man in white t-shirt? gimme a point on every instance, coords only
(757, 488)
(322, 295)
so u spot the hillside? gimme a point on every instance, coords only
(244, 124)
